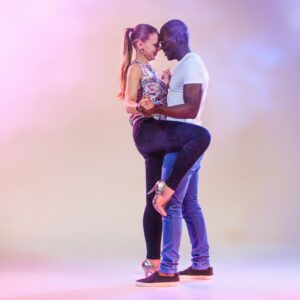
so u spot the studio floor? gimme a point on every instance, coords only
(244, 279)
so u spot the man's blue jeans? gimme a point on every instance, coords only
(183, 204)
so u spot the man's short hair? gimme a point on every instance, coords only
(175, 28)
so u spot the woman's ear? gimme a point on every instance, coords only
(139, 44)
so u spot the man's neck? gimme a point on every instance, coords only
(182, 53)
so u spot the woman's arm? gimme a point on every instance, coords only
(132, 87)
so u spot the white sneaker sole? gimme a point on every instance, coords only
(157, 284)
(197, 277)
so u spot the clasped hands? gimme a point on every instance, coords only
(147, 106)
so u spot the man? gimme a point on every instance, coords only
(186, 97)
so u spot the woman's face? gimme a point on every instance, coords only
(151, 46)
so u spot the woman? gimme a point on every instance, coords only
(141, 88)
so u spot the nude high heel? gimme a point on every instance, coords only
(162, 196)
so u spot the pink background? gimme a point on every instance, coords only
(72, 182)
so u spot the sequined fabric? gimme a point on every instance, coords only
(150, 85)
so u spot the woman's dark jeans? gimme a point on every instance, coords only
(152, 222)
(153, 138)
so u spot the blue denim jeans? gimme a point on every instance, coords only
(183, 204)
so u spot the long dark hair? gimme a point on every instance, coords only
(131, 36)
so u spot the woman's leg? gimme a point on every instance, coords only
(157, 136)
(152, 219)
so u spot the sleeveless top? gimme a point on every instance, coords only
(150, 85)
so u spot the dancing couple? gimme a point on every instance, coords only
(166, 119)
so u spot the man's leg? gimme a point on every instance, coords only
(194, 219)
(172, 223)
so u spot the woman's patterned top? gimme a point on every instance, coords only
(150, 85)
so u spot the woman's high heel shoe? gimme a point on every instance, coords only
(162, 196)
(149, 268)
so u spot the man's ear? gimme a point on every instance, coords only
(179, 39)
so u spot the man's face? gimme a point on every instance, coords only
(168, 45)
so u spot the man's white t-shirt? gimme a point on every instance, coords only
(190, 69)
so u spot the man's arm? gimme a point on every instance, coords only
(192, 95)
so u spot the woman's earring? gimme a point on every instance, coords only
(142, 50)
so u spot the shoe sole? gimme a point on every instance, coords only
(197, 277)
(157, 284)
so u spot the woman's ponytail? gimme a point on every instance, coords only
(127, 56)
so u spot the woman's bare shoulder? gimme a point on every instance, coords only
(135, 68)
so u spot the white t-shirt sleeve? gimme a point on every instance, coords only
(194, 72)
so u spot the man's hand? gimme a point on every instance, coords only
(147, 106)
(166, 76)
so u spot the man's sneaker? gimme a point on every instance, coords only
(191, 273)
(156, 280)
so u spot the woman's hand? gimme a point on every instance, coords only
(147, 106)
(166, 76)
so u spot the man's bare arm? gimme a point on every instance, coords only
(192, 95)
